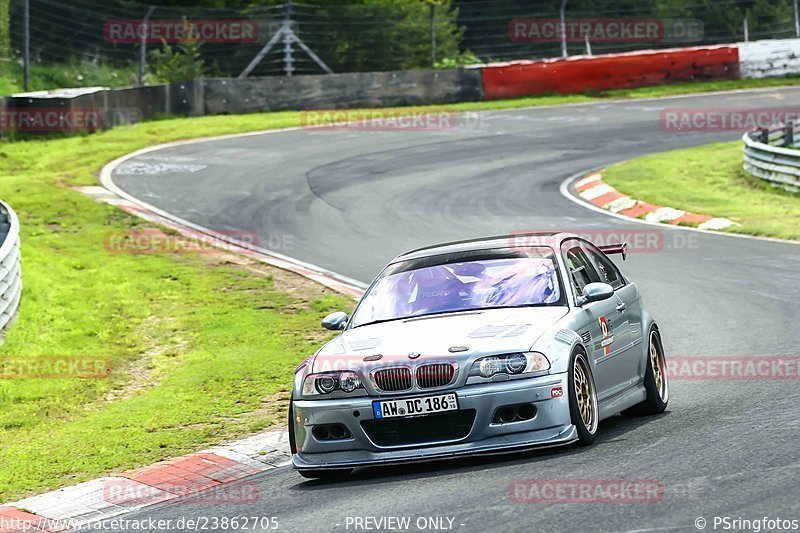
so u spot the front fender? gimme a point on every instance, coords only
(558, 348)
(297, 389)
(647, 322)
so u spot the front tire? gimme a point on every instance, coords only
(655, 380)
(582, 398)
(292, 441)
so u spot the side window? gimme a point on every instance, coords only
(581, 269)
(609, 273)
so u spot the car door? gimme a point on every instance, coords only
(628, 320)
(599, 322)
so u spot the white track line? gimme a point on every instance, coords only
(106, 179)
(564, 189)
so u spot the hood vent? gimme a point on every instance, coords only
(489, 331)
(586, 337)
(517, 331)
(364, 344)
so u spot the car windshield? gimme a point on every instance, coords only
(462, 282)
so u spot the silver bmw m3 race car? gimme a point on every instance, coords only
(483, 346)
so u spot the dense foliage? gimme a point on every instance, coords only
(355, 35)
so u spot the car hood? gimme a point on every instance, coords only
(488, 331)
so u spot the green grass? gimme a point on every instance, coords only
(709, 180)
(74, 73)
(202, 349)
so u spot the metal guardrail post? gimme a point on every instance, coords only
(788, 134)
(764, 136)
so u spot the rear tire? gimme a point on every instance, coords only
(582, 398)
(655, 380)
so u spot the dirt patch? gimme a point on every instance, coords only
(295, 285)
(141, 373)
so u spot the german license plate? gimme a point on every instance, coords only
(415, 406)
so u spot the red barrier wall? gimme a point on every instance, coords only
(602, 73)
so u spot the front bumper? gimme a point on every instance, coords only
(551, 426)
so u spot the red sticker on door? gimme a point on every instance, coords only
(608, 335)
(556, 392)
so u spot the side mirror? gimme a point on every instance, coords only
(335, 321)
(594, 292)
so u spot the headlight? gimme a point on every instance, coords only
(316, 384)
(325, 384)
(510, 364)
(348, 381)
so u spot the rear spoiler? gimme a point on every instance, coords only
(610, 249)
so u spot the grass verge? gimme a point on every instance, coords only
(72, 73)
(202, 346)
(709, 180)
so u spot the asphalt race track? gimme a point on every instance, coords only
(349, 201)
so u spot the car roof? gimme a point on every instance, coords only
(541, 238)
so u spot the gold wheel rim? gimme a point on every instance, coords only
(583, 393)
(656, 364)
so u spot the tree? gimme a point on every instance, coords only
(5, 37)
(180, 63)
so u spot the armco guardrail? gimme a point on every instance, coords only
(10, 269)
(770, 154)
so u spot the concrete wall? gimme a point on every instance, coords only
(66, 110)
(603, 73)
(372, 89)
(101, 107)
(765, 59)
(149, 101)
(231, 96)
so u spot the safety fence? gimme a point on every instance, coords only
(101, 108)
(770, 154)
(96, 40)
(10, 269)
